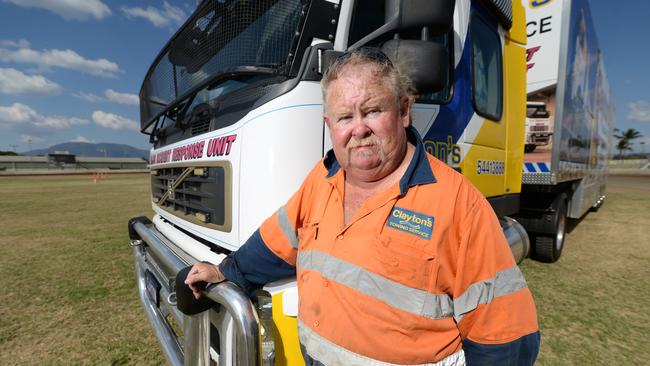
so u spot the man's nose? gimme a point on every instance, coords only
(360, 127)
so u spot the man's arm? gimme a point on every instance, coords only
(254, 265)
(250, 267)
(268, 255)
(522, 351)
(493, 306)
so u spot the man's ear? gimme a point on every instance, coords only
(405, 111)
(326, 119)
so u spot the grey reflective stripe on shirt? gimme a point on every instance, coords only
(330, 354)
(286, 227)
(504, 283)
(395, 294)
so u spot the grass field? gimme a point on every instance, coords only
(66, 272)
(69, 297)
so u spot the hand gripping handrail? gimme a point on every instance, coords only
(246, 350)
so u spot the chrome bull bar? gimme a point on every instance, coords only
(153, 252)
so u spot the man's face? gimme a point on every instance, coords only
(367, 123)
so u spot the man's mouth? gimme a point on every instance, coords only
(362, 145)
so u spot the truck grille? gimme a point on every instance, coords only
(539, 128)
(202, 197)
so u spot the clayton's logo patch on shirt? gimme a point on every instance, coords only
(411, 222)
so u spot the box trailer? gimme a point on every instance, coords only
(566, 74)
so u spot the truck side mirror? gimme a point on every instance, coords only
(435, 15)
(427, 63)
(438, 15)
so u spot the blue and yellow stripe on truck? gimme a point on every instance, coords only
(492, 157)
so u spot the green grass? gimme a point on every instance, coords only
(69, 295)
(66, 272)
(594, 304)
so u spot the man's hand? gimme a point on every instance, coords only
(200, 274)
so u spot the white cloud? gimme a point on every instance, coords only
(66, 59)
(88, 97)
(110, 95)
(59, 123)
(17, 113)
(21, 114)
(13, 81)
(639, 111)
(122, 98)
(169, 16)
(80, 138)
(68, 9)
(21, 43)
(115, 122)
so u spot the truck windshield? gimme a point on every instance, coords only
(536, 111)
(222, 39)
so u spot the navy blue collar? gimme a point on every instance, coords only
(418, 172)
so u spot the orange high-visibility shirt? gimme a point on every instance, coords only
(419, 269)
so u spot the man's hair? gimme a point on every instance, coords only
(378, 63)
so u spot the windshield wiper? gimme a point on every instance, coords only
(178, 107)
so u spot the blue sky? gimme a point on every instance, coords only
(71, 71)
(624, 41)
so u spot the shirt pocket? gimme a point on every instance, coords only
(307, 236)
(403, 261)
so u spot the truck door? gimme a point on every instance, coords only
(485, 135)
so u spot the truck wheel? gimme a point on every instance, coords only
(548, 247)
(529, 148)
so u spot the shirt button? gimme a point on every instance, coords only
(316, 324)
(326, 283)
(340, 237)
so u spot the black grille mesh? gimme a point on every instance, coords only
(203, 194)
(220, 36)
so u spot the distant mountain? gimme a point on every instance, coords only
(93, 150)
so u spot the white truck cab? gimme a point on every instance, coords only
(539, 126)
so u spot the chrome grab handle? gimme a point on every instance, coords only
(196, 327)
(239, 306)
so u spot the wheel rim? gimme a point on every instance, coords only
(559, 238)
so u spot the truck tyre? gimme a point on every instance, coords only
(529, 148)
(548, 247)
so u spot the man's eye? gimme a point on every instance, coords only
(372, 112)
(345, 119)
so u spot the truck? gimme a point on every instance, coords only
(233, 108)
(539, 126)
(566, 176)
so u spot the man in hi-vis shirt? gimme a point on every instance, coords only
(398, 258)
